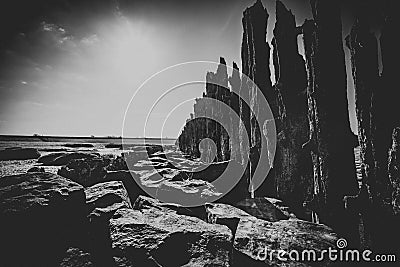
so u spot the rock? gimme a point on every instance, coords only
(160, 154)
(111, 145)
(152, 149)
(54, 149)
(49, 159)
(253, 237)
(161, 184)
(285, 209)
(151, 164)
(107, 197)
(61, 158)
(18, 153)
(214, 178)
(143, 202)
(36, 169)
(146, 237)
(163, 174)
(78, 145)
(117, 164)
(261, 208)
(102, 201)
(157, 158)
(240, 190)
(149, 148)
(130, 181)
(76, 257)
(146, 165)
(189, 192)
(132, 157)
(213, 171)
(42, 214)
(86, 172)
(249, 234)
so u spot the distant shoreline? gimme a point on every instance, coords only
(52, 138)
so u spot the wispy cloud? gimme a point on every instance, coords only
(90, 40)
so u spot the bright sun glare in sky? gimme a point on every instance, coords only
(76, 73)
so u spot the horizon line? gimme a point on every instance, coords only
(82, 136)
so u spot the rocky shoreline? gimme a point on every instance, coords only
(94, 214)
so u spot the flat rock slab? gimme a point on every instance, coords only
(254, 237)
(262, 208)
(41, 214)
(18, 153)
(260, 240)
(146, 237)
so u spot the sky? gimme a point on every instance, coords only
(72, 67)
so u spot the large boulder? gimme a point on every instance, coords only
(63, 158)
(86, 172)
(161, 237)
(18, 153)
(256, 239)
(42, 214)
(102, 201)
(107, 197)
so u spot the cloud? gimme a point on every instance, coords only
(90, 40)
